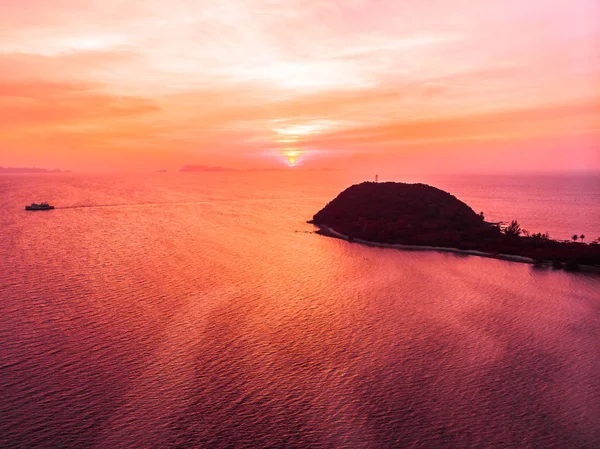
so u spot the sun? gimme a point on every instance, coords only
(292, 156)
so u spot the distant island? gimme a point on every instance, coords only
(187, 168)
(418, 216)
(28, 170)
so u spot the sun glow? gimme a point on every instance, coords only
(293, 139)
(292, 156)
(294, 131)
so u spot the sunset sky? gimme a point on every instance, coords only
(440, 85)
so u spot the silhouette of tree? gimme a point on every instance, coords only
(481, 215)
(575, 237)
(514, 229)
(581, 237)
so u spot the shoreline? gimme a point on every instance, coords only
(330, 232)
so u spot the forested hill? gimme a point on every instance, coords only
(418, 214)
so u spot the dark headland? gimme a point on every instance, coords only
(418, 216)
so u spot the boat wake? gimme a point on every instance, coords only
(91, 206)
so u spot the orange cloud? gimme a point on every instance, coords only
(540, 121)
(41, 104)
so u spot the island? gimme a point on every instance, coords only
(203, 168)
(419, 216)
(28, 170)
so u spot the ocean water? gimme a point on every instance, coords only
(199, 310)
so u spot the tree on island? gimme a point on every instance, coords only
(575, 237)
(513, 229)
(541, 236)
(581, 237)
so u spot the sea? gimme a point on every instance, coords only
(200, 310)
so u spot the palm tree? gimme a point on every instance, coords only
(575, 237)
(581, 237)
